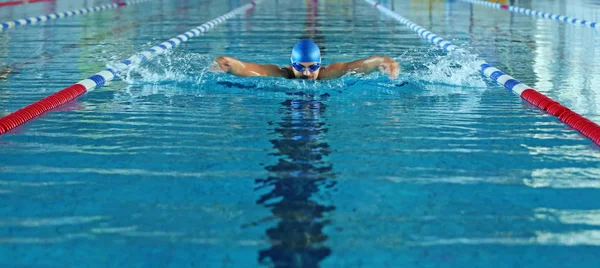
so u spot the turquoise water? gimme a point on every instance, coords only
(172, 165)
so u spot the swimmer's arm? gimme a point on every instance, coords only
(237, 67)
(368, 65)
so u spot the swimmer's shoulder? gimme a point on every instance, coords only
(289, 72)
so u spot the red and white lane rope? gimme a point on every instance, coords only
(564, 114)
(15, 3)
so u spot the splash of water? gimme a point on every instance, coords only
(167, 68)
(459, 70)
(192, 71)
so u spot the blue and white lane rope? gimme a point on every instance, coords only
(574, 120)
(541, 14)
(100, 78)
(44, 18)
(67, 94)
(504, 79)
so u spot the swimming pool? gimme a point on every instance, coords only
(172, 165)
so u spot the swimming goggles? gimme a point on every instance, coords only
(300, 68)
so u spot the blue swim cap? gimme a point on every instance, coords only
(306, 51)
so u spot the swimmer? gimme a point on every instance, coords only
(306, 64)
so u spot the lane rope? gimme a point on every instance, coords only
(16, 3)
(43, 18)
(64, 48)
(97, 80)
(536, 13)
(585, 126)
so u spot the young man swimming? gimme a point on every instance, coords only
(306, 64)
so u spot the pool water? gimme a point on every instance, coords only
(174, 165)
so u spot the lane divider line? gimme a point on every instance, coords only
(536, 13)
(15, 3)
(585, 126)
(43, 18)
(64, 48)
(97, 80)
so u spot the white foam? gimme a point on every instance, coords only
(452, 69)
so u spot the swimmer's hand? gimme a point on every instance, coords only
(390, 68)
(222, 64)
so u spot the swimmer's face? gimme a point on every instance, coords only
(306, 70)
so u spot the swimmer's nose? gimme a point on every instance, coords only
(306, 72)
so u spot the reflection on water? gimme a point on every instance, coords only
(312, 26)
(295, 181)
